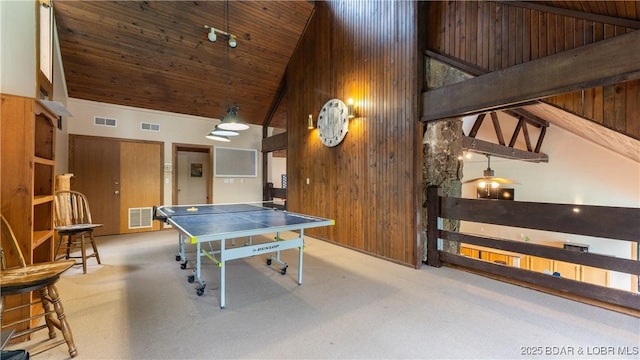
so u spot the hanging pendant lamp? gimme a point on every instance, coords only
(222, 132)
(231, 121)
(212, 136)
(489, 179)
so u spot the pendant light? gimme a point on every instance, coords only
(222, 132)
(215, 137)
(489, 180)
(231, 121)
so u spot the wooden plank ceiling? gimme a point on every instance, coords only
(156, 55)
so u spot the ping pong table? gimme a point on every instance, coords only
(203, 225)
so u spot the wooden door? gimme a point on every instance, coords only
(141, 174)
(95, 165)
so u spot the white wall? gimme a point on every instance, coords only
(18, 48)
(18, 63)
(277, 167)
(174, 128)
(578, 172)
(60, 95)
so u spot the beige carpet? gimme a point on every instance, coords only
(139, 305)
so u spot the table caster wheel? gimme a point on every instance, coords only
(178, 257)
(283, 271)
(268, 261)
(199, 291)
(183, 265)
(191, 279)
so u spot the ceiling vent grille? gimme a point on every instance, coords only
(140, 218)
(102, 121)
(149, 127)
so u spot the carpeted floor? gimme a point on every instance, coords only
(139, 305)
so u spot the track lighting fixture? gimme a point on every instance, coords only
(213, 36)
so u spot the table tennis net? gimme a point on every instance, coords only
(212, 209)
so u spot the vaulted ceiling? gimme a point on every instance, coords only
(156, 54)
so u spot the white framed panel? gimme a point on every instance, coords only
(234, 162)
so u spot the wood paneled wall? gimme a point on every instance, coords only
(370, 183)
(495, 36)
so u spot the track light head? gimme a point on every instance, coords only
(212, 35)
(232, 41)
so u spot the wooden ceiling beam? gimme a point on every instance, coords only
(617, 21)
(275, 143)
(590, 65)
(477, 71)
(485, 147)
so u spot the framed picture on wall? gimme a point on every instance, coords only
(196, 170)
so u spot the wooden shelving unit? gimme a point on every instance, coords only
(27, 188)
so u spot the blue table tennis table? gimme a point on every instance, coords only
(203, 225)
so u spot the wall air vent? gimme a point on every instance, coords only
(149, 127)
(140, 218)
(102, 121)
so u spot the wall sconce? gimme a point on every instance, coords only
(310, 123)
(353, 109)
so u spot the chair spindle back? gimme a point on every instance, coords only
(71, 207)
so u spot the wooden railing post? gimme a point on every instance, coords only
(433, 212)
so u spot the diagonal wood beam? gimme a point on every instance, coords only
(282, 89)
(476, 125)
(543, 131)
(525, 132)
(528, 116)
(514, 137)
(496, 126)
(590, 66)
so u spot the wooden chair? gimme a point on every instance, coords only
(24, 279)
(73, 223)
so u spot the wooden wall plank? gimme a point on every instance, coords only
(486, 35)
(357, 182)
